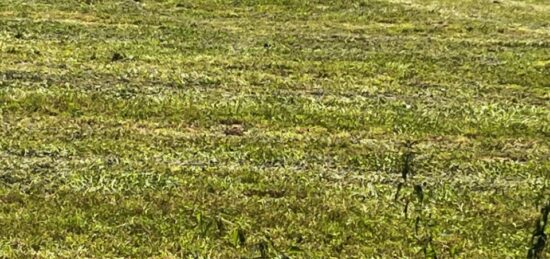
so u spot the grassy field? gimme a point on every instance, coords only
(274, 128)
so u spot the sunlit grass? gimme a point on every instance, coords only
(273, 128)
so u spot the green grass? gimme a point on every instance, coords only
(246, 128)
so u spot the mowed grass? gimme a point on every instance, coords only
(283, 128)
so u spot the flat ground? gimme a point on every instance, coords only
(397, 128)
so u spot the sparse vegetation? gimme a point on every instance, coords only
(280, 128)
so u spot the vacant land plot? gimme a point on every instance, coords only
(225, 128)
